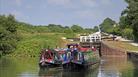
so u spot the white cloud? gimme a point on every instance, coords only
(78, 4)
(58, 2)
(18, 2)
(73, 3)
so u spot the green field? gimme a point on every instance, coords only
(31, 43)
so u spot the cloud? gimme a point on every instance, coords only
(73, 3)
(78, 4)
(18, 2)
(59, 2)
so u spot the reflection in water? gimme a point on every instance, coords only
(50, 72)
(109, 67)
(56, 72)
(136, 68)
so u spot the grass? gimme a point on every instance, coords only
(122, 45)
(32, 43)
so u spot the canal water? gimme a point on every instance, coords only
(28, 67)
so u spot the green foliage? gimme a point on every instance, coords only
(31, 44)
(25, 28)
(131, 15)
(68, 30)
(117, 30)
(70, 35)
(89, 30)
(76, 28)
(41, 29)
(56, 28)
(8, 35)
(95, 29)
(107, 25)
(124, 23)
(127, 33)
(27, 40)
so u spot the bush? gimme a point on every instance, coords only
(8, 35)
(128, 33)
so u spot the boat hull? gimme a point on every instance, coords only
(50, 64)
(84, 60)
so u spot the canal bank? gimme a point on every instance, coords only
(132, 55)
(109, 50)
(117, 49)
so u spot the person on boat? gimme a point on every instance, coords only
(71, 48)
(68, 52)
(71, 51)
(93, 48)
(75, 49)
(68, 49)
(75, 52)
(42, 56)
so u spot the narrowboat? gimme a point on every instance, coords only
(82, 57)
(75, 56)
(49, 58)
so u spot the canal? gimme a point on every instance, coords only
(28, 67)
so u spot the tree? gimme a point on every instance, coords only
(8, 35)
(95, 29)
(55, 28)
(89, 30)
(107, 25)
(131, 15)
(124, 23)
(76, 28)
(68, 30)
(117, 30)
(127, 33)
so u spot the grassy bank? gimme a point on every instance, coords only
(31, 43)
(122, 45)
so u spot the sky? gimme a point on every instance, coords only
(86, 13)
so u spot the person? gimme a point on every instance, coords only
(75, 49)
(68, 49)
(71, 51)
(75, 52)
(93, 48)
